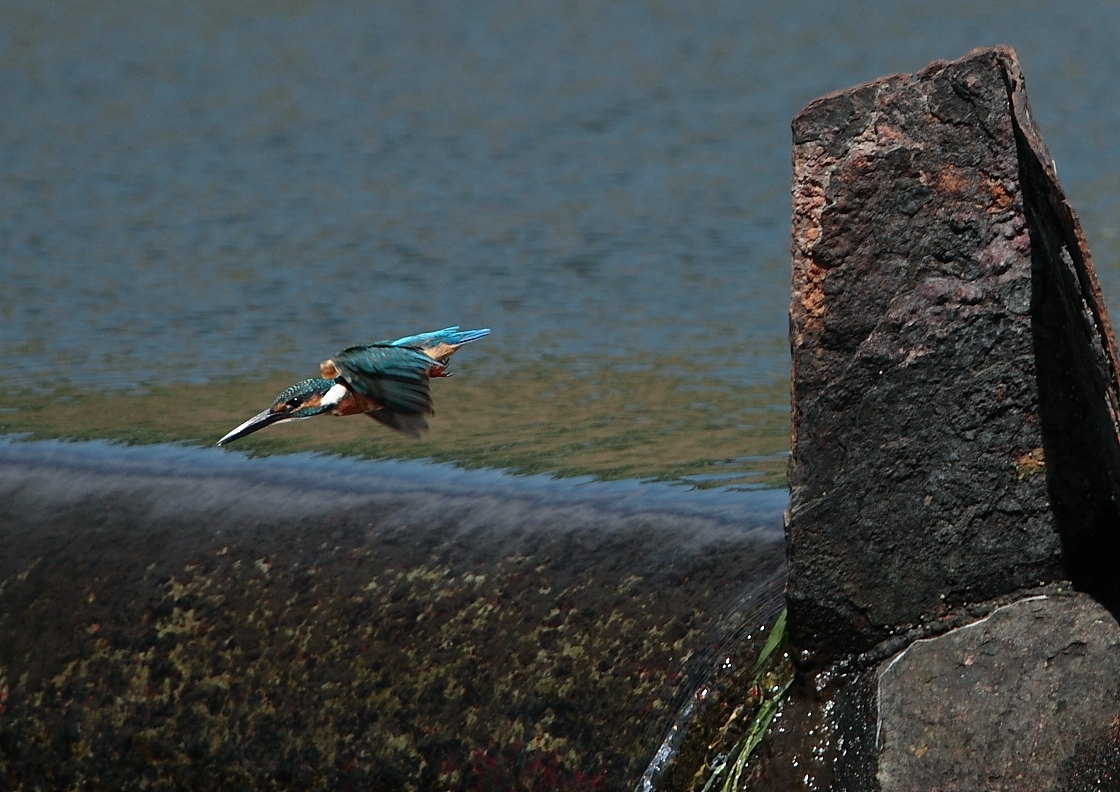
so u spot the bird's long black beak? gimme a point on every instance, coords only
(258, 421)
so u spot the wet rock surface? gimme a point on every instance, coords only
(185, 619)
(954, 398)
(1018, 700)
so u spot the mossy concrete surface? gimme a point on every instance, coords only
(185, 619)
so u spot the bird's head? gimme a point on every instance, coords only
(305, 399)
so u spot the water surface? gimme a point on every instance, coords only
(220, 196)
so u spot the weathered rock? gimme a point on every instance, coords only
(1019, 700)
(954, 375)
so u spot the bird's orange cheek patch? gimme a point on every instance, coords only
(314, 400)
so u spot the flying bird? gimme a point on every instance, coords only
(386, 380)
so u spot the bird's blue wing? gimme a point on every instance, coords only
(411, 424)
(394, 377)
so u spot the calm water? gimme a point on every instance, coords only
(216, 196)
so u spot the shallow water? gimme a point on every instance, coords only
(215, 196)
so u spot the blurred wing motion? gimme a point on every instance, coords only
(388, 381)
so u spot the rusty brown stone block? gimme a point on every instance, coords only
(954, 373)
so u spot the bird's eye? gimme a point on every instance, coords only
(292, 404)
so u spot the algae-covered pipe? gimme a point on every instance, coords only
(176, 617)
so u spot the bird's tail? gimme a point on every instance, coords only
(440, 345)
(458, 337)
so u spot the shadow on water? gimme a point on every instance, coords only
(197, 618)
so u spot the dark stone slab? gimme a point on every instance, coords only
(954, 397)
(1021, 700)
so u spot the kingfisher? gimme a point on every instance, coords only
(386, 380)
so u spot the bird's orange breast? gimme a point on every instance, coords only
(355, 404)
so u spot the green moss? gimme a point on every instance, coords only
(310, 656)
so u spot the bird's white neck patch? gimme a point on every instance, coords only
(333, 396)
